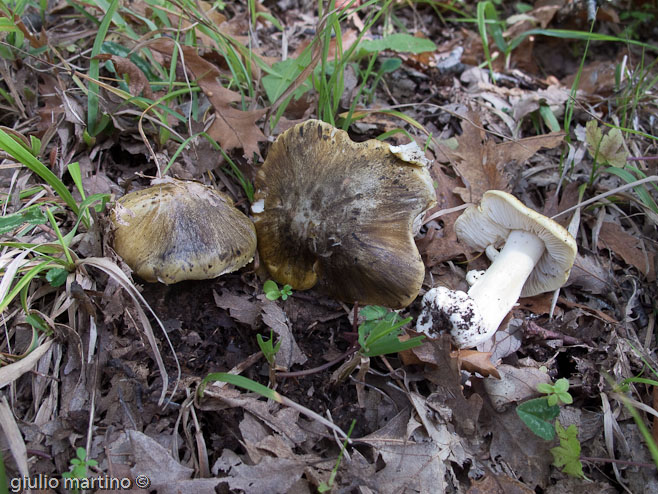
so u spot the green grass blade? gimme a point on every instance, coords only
(22, 155)
(25, 280)
(95, 124)
(482, 29)
(242, 382)
(579, 35)
(31, 215)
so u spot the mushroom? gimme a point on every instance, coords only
(340, 215)
(179, 230)
(536, 257)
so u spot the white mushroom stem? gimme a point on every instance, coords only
(499, 288)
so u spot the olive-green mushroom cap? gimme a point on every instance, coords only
(340, 215)
(178, 230)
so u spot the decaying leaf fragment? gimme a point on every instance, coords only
(607, 149)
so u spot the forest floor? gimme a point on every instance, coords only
(101, 372)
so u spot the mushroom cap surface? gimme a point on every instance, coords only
(179, 230)
(498, 213)
(339, 214)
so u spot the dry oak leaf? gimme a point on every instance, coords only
(629, 248)
(474, 361)
(481, 162)
(498, 484)
(440, 242)
(137, 81)
(232, 128)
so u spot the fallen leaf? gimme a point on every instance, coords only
(589, 274)
(269, 476)
(609, 148)
(137, 81)
(482, 163)
(596, 78)
(440, 242)
(232, 128)
(474, 361)
(274, 318)
(589, 310)
(448, 396)
(505, 341)
(414, 462)
(515, 384)
(612, 149)
(553, 96)
(240, 309)
(613, 237)
(526, 454)
(539, 304)
(498, 484)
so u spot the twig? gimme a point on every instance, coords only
(592, 459)
(535, 329)
(653, 178)
(352, 350)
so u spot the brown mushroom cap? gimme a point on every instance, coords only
(340, 214)
(178, 230)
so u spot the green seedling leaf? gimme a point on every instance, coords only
(286, 291)
(56, 276)
(373, 312)
(242, 382)
(566, 456)
(390, 65)
(536, 414)
(269, 350)
(37, 323)
(379, 334)
(561, 385)
(545, 388)
(32, 215)
(271, 290)
(35, 145)
(549, 118)
(398, 42)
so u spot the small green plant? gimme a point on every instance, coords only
(379, 333)
(79, 466)
(566, 456)
(622, 393)
(273, 292)
(538, 415)
(327, 486)
(269, 352)
(557, 393)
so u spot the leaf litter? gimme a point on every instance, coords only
(429, 420)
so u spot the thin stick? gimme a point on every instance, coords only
(614, 191)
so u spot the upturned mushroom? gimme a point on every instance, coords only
(179, 230)
(340, 215)
(536, 257)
